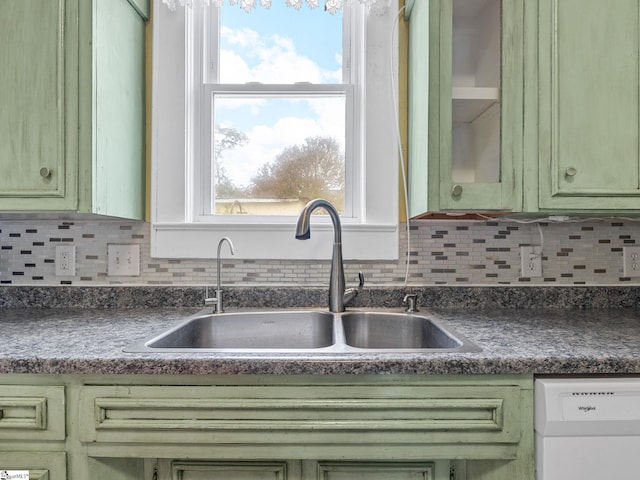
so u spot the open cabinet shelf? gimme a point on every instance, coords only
(469, 103)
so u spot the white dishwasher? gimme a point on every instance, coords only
(587, 428)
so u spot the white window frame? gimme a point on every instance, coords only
(178, 230)
(204, 188)
(352, 48)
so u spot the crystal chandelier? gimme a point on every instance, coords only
(377, 7)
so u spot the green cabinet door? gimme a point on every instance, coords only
(112, 107)
(586, 105)
(35, 105)
(466, 92)
(72, 123)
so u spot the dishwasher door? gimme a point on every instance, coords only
(587, 428)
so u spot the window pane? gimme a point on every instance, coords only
(280, 45)
(273, 153)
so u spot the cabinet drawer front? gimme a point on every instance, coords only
(32, 413)
(307, 414)
(40, 465)
(375, 471)
(229, 471)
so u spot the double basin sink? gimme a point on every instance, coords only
(308, 331)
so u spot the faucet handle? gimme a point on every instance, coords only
(411, 299)
(351, 293)
(210, 302)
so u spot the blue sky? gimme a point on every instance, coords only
(277, 45)
(316, 33)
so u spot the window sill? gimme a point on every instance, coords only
(273, 241)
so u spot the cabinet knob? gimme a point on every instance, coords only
(456, 191)
(45, 172)
(570, 172)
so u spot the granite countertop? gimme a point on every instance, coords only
(513, 341)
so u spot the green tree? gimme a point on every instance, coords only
(225, 139)
(311, 170)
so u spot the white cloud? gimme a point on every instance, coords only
(267, 59)
(274, 59)
(267, 142)
(330, 113)
(243, 37)
(286, 66)
(235, 68)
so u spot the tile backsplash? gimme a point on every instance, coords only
(441, 252)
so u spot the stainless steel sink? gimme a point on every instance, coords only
(308, 331)
(250, 330)
(395, 331)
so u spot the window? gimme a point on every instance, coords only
(238, 111)
(276, 107)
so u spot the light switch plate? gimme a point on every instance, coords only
(123, 260)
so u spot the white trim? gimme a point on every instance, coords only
(374, 236)
(198, 240)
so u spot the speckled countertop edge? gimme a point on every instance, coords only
(437, 296)
(513, 341)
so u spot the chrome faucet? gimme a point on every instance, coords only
(339, 296)
(217, 301)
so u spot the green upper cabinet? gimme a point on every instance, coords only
(73, 118)
(582, 104)
(466, 105)
(32, 93)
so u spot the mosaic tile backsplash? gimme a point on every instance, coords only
(441, 252)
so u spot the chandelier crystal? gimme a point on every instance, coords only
(377, 7)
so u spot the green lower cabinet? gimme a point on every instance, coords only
(32, 430)
(40, 465)
(279, 427)
(303, 470)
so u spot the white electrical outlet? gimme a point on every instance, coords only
(123, 260)
(65, 260)
(631, 261)
(531, 261)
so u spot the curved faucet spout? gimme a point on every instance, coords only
(217, 301)
(338, 295)
(222, 240)
(303, 228)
